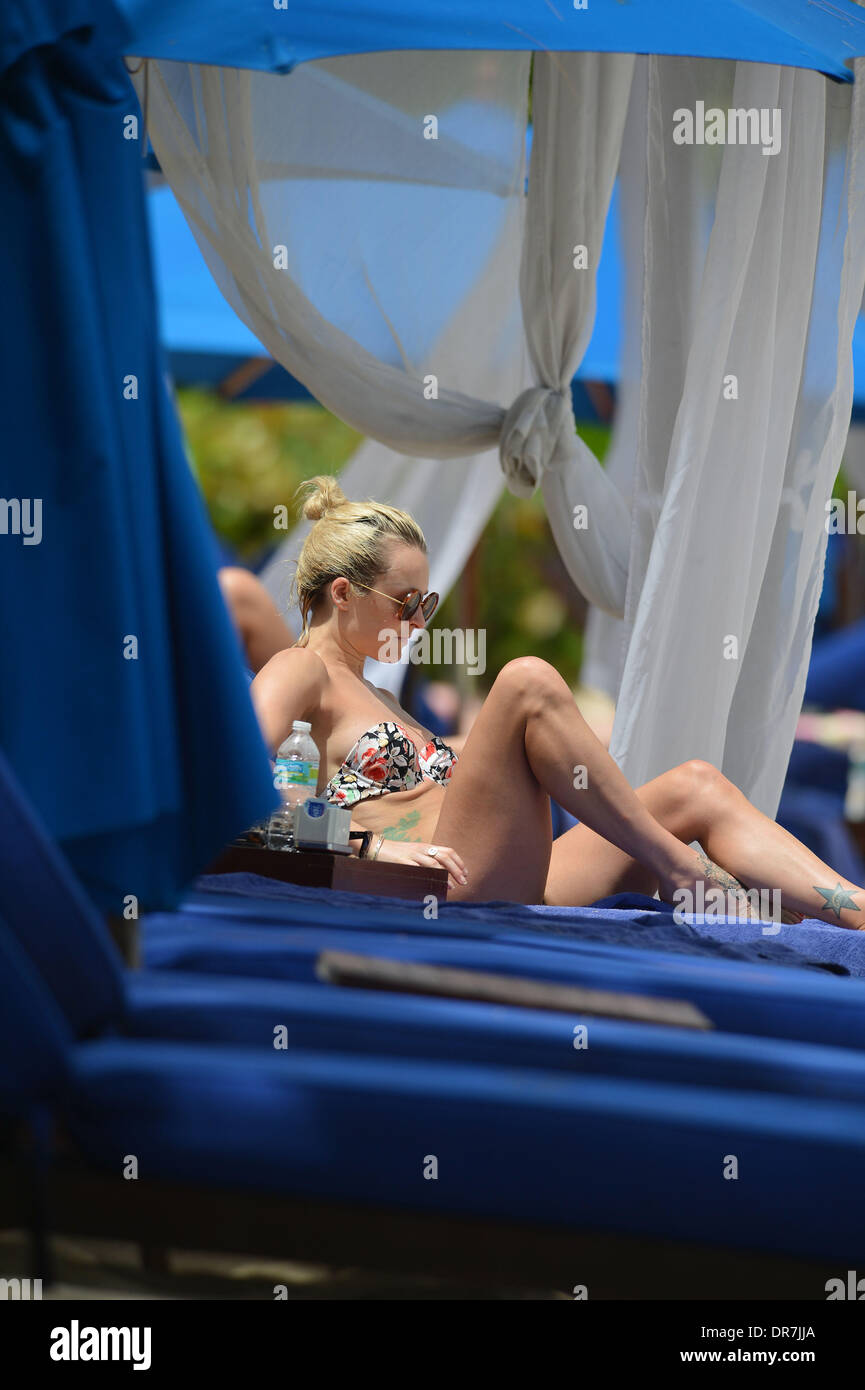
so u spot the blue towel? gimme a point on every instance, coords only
(627, 919)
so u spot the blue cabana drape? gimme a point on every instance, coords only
(124, 708)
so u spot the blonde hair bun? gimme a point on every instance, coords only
(322, 495)
(348, 539)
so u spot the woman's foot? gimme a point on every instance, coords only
(830, 903)
(694, 886)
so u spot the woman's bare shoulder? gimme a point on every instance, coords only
(298, 663)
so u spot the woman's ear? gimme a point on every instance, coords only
(340, 592)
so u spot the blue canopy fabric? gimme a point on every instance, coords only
(276, 35)
(125, 710)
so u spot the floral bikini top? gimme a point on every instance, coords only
(385, 759)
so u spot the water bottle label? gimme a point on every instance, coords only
(295, 772)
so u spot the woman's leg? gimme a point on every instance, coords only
(696, 802)
(764, 855)
(529, 742)
(584, 866)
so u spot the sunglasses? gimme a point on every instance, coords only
(408, 606)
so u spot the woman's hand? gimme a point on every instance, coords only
(414, 852)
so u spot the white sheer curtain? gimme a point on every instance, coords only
(743, 420)
(652, 370)
(604, 641)
(349, 241)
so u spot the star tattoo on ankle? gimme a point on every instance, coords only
(837, 898)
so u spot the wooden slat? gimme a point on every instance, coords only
(375, 972)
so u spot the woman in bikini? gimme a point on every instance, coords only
(484, 815)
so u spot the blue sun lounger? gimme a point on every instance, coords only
(208, 1106)
(527, 1156)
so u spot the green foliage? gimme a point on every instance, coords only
(250, 457)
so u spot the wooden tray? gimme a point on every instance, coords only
(324, 869)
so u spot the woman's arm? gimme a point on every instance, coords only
(262, 629)
(290, 686)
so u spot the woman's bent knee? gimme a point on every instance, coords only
(699, 783)
(531, 680)
(702, 773)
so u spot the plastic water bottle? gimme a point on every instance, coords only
(295, 778)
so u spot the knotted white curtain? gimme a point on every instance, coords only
(348, 241)
(579, 107)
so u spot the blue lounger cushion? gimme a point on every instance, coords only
(737, 997)
(363, 1022)
(516, 1144)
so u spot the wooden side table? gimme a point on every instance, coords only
(324, 869)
